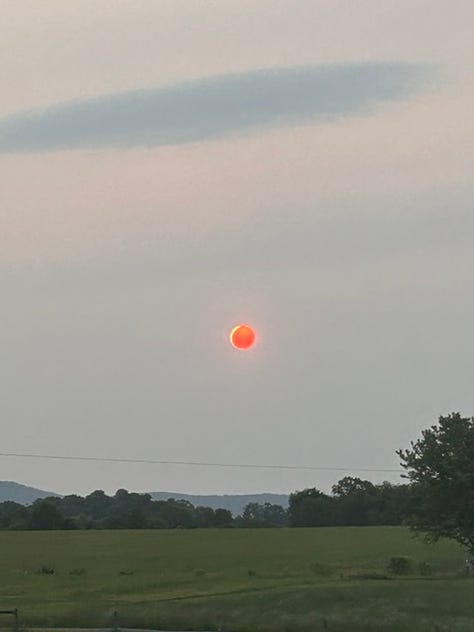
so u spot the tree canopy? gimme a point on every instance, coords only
(353, 502)
(440, 467)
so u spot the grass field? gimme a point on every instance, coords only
(235, 580)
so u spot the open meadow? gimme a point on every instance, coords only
(235, 579)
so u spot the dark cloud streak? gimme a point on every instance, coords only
(212, 107)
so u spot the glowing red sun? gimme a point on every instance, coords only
(242, 337)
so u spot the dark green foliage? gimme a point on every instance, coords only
(440, 468)
(354, 502)
(263, 515)
(311, 508)
(223, 518)
(46, 570)
(204, 516)
(124, 510)
(401, 565)
(235, 503)
(13, 516)
(77, 571)
(45, 515)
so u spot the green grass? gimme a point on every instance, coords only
(277, 580)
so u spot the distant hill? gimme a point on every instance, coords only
(21, 493)
(234, 502)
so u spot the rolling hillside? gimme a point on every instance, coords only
(21, 493)
(26, 495)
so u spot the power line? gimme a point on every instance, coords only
(260, 466)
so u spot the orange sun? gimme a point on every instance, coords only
(242, 337)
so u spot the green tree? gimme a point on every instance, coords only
(393, 503)
(440, 466)
(223, 518)
(172, 514)
(352, 485)
(263, 515)
(356, 501)
(253, 515)
(45, 515)
(13, 516)
(311, 508)
(205, 517)
(97, 504)
(276, 515)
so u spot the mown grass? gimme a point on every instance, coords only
(260, 580)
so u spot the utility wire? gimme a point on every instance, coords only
(197, 463)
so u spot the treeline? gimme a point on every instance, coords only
(353, 502)
(124, 510)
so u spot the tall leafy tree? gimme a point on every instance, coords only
(223, 518)
(311, 508)
(45, 515)
(440, 466)
(13, 515)
(263, 515)
(356, 501)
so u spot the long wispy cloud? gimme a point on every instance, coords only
(212, 107)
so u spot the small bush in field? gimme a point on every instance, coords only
(400, 565)
(46, 570)
(251, 572)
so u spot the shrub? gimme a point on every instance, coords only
(251, 572)
(46, 570)
(400, 565)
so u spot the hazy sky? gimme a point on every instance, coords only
(169, 168)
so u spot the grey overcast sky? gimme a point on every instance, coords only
(170, 168)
